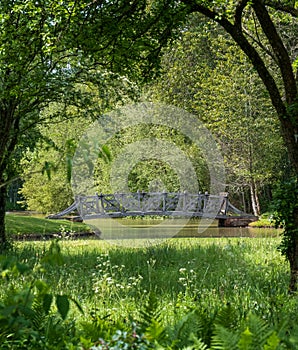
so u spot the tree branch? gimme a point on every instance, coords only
(239, 12)
(277, 5)
(279, 49)
(236, 32)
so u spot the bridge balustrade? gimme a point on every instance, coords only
(152, 203)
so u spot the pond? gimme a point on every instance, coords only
(143, 229)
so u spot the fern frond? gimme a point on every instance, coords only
(155, 332)
(189, 325)
(260, 330)
(272, 342)
(245, 340)
(151, 321)
(198, 344)
(39, 316)
(224, 339)
(227, 317)
(150, 311)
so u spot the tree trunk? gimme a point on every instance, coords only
(254, 199)
(243, 201)
(3, 237)
(290, 130)
(286, 106)
(293, 257)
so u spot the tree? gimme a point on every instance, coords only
(257, 41)
(47, 167)
(149, 173)
(48, 46)
(36, 68)
(206, 73)
(46, 187)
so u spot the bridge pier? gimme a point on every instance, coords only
(236, 221)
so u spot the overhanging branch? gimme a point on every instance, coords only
(278, 5)
(235, 30)
(279, 49)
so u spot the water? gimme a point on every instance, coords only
(121, 229)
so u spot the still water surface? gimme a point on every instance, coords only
(146, 229)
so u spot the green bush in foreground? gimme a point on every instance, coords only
(33, 316)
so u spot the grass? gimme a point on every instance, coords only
(26, 225)
(113, 284)
(212, 270)
(265, 220)
(183, 273)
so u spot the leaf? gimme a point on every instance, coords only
(53, 256)
(105, 153)
(62, 304)
(47, 302)
(272, 342)
(41, 286)
(224, 339)
(22, 268)
(47, 169)
(245, 339)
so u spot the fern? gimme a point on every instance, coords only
(227, 317)
(150, 311)
(155, 332)
(272, 342)
(150, 322)
(39, 317)
(188, 328)
(198, 344)
(224, 339)
(245, 340)
(260, 330)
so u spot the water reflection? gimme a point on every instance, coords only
(154, 229)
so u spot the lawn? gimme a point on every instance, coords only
(30, 225)
(206, 293)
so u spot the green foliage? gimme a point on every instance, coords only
(208, 75)
(27, 316)
(285, 205)
(254, 334)
(265, 220)
(151, 320)
(152, 173)
(222, 306)
(191, 328)
(46, 187)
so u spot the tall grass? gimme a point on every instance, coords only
(184, 274)
(214, 271)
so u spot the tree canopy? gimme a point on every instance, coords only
(206, 73)
(47, 46)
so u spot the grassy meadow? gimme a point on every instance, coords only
(185, 293)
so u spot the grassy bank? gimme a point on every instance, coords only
(18, 225)
(181, 294)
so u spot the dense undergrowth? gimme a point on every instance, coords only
(181, 294)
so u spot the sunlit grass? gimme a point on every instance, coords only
(112, 282)
(20, 225)
(182, 272)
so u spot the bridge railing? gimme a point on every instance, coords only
(152, 203)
